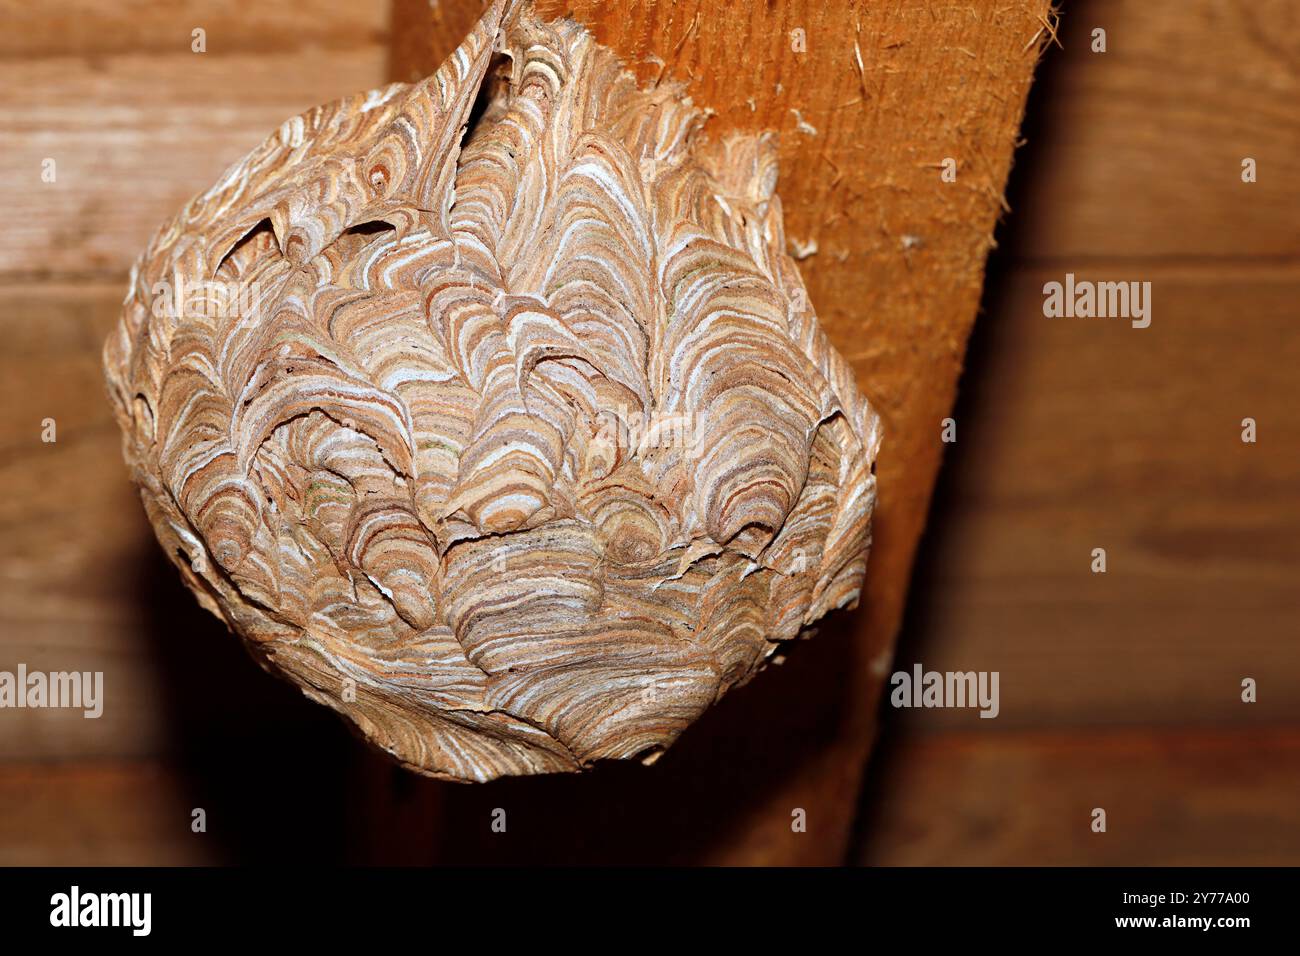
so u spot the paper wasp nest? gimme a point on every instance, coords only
(491, 411)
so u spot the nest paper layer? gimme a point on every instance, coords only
(491, 411)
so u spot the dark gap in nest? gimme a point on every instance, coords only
(263, 227)
(371, 228)
(493, 78)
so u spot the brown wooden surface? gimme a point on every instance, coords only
(1202, 532)
(1138, 155)
(952, 799)
(1124, 688)
(137, 123)
(1026, 797)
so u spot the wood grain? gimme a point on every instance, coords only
(1201, 531)
(1142, 156)
(83, 584)
(257, 807)
(114, 814)
(96, 31)
(1075, 434)
(1171, 799)
(137, 123)
(134, 136)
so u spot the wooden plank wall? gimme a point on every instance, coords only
(1122, 690)
(136, 123)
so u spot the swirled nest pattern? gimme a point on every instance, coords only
(491, 411)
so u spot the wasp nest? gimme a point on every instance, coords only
(491, 411)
